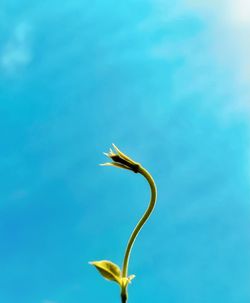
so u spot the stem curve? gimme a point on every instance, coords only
(142, 221)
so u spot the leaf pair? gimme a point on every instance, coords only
(112, 272)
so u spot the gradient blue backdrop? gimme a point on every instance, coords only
(162, 80)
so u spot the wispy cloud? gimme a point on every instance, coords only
(16, 53)
(48, 301)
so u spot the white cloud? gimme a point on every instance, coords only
(16, 53)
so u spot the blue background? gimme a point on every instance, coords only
(162, 80)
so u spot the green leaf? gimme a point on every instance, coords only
(108, 270)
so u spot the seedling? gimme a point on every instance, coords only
(108, 269)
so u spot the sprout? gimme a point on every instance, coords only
(108, 269)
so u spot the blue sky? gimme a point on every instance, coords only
(168, 82)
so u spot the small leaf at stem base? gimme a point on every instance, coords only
(108, 270)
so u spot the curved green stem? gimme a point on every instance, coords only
(142, 221)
